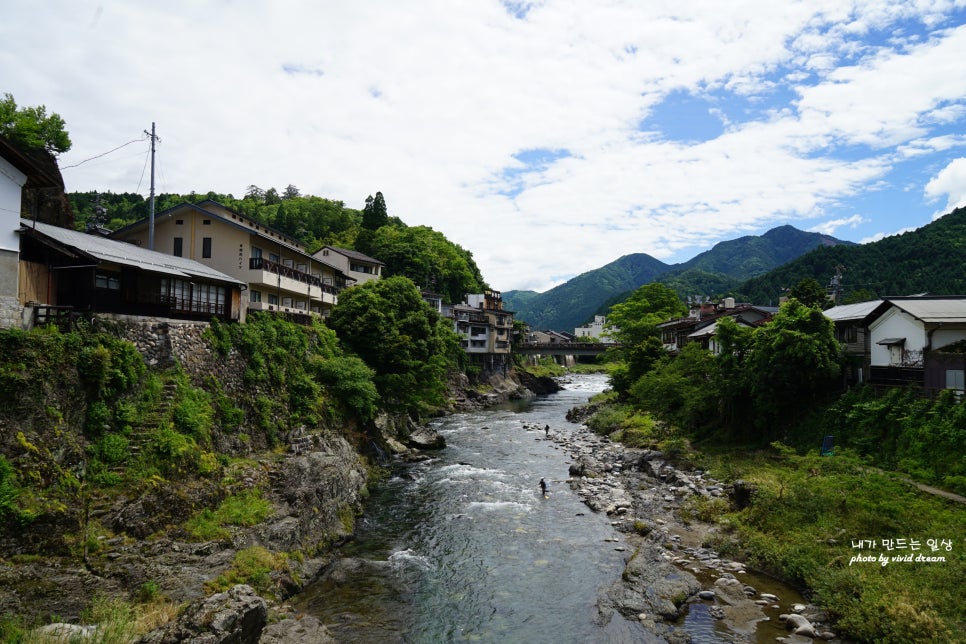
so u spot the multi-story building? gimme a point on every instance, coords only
(596, 329)
(281, 276)
(356, 265)
(483, 327)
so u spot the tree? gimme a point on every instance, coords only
(793, 363)
(637, 317)
(254, 193)
(291, 192)
(272, 198)
(810, 293)
(401, 338)
(375, 215)
(32, 128)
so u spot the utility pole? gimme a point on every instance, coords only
(151, 210)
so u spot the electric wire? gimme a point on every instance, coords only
(97, 156)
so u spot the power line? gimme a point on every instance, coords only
(102, 154)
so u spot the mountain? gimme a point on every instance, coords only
(712, 272)
(929, 259)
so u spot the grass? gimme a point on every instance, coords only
(247, 508)
(803, 524)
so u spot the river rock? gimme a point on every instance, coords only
(426, 438)
(798, 625)
(304, 630)
(234, 617)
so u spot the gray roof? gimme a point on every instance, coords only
(353, 254)
(850, 312)
(109, 250)
(933, 309)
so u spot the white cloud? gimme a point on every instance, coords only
(951, 184)
(429, 102)
(829, 227)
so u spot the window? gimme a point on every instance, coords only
(272, 257)
(178, 246)
(205, 222)
(179, 222)
(273, 299)
(255, 296)
(107, 280)
(206, 247)
(955, 379)
(286, 301)
(256, 251)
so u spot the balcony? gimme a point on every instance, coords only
(275, 275)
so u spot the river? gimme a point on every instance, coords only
(464, 547)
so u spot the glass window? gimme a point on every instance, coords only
(178, 246)
(255, 296)
(955, 379)
(206, 247)
(273, 299)
(256, 251)
(107, 280)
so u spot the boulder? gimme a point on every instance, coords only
(307, 630)
(426, 438)
(234, 617)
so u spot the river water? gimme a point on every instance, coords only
(464, 548)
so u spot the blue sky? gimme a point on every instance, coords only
(547, 137)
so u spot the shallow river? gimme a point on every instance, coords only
(465, 548)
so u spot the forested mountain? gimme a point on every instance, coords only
(418, 252)
(929, 259)
(713, 272)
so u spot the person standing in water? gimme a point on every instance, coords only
(546, 431)
(543, 487)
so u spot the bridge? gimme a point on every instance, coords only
(564, 349)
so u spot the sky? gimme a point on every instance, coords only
(548, 138)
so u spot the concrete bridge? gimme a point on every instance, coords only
(564, 349)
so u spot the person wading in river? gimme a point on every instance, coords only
(543, 487)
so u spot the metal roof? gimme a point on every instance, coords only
(109, 250)
(933, 309)
(849, 312)
(351, 254)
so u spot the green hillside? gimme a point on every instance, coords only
(928, 259)
(714, 272)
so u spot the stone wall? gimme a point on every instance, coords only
(164, 341)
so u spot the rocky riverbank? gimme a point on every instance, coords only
(670, 567)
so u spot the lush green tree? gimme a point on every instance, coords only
(793, 363)
(682, 391)
(427, 258)
(734, 343)
(401, 338)
(810, 293)
(32, 127)
(272, 197)
(636, 361)
(374, 214)
(637, 318)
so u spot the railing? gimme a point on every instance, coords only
(896, 376)
(262, 264)
(188, 305)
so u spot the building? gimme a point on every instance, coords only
(280, 276)
(852, 334)
(24, 177)
(483, 327)
(356, 265)
(596, 329)
(66, 272)
(701, 323)
(918, 340)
